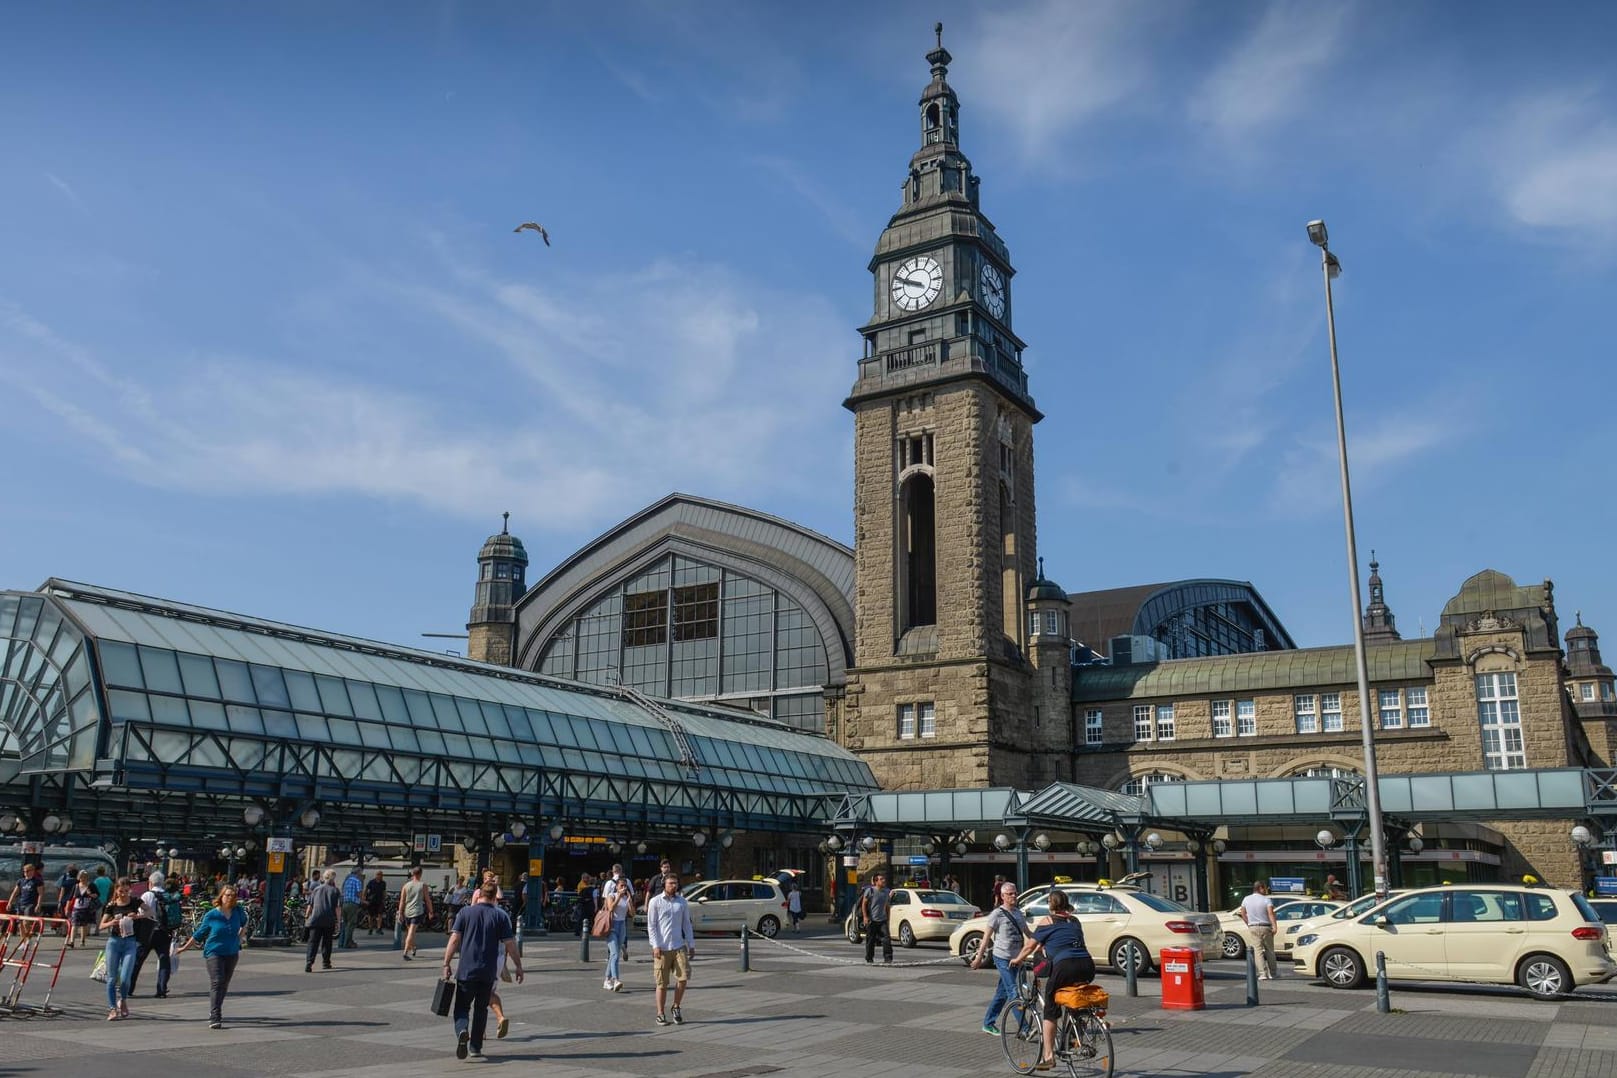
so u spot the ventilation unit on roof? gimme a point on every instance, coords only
(1128, 650)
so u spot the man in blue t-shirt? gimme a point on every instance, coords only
(481, 931)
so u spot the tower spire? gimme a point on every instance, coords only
(1379, 624)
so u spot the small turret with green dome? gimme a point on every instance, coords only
(501, 568)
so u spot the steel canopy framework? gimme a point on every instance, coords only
(129, 707)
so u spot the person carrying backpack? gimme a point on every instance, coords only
(166, 913)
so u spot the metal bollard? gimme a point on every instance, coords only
(584, 944)
(398, 934)
(746, 952)
(1131, 970)
(1251, 978)
(519, 939)
(1383, 998)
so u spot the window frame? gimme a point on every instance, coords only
(1094, 726)
(1223, 724)
(1245, 710)
(1304, 706)
(906, 722)
(1144, 722)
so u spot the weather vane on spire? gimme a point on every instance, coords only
(938, 29)
(505, 528)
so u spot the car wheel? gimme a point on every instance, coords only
(906, 934)
(969, 945)
(1341, 968)
(768, 926)
(1233, 946)
(850, 931)
(1544, 976)
(1120, 956)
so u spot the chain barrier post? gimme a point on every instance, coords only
(1251, 978)
(746, 952)
(1131, 969)
(1383, 999)
(584, 943)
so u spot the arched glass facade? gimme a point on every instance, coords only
(688, 630)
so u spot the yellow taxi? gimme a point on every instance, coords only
(1238, 938)
(1544, 940)
(1119, 919)
(915, 914)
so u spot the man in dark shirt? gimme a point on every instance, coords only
(873, 905)
(481, 931)
(25, 896)
(320, 917)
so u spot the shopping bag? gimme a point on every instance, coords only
(173, 957)
(443, 997)
(601, 927)
(98, 972)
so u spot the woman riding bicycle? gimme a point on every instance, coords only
(1062, 938)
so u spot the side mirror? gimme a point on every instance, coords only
(702, 899)
(1380, 920)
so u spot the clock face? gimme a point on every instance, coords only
(917, 283)
(993, 290)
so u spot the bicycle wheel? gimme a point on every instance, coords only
(1021, 1034)
(1088, 1053)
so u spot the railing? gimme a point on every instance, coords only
(919, 356)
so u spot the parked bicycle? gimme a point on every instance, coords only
(1083, 1041)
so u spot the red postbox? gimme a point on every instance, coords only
(1182, 979)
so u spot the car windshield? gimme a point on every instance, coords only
(1160, 904)
(941, 898)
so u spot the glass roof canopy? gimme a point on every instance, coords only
(192, 699)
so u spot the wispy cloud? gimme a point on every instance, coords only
(1308, 480)
(577, 401)
(1047, 68)
(847, 224)
(1266, 78)
(1555, 159)
(66, 189)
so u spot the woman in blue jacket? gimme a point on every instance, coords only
(222, 932)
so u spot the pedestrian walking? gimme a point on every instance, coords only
(25, 896)
(1258, 911)
(1062, 938)
(1003, 937)
(353, 894)
(496, 1005)
(415, 908)
(86, 908)
(119, 919)
(794, 906)
(375, 900)
(673, 945)
(618, 894)
(222, 932)
(480, 935)
(164, 908)
(873, 905)
(587, 900)
(320, 918)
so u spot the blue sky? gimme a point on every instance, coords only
(267, 341)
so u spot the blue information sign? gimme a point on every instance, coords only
(1286, 885)
(919, 859)
(1606, 886)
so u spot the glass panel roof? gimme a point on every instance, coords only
(615, 734)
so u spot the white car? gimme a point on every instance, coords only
(1238, 938)
(1546, 941)
(1118, 919)
(723, 905)
(915, 914)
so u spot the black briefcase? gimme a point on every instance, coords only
(443, 998)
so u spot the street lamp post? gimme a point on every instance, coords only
(1330, 266)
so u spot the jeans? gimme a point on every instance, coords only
(156, 943)
(616, 941)
(877, 930)
(319, 939)
(350, 921)
(221, 967)
(121, 952)
(472, 997)
(1004, 993)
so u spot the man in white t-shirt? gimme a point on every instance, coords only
(1259, 914)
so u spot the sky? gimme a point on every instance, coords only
(268, 342)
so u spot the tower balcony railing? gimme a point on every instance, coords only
(922, 361)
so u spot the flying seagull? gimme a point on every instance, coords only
(537, 228)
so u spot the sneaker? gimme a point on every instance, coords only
(617, 986)
(887, 961)
(606, 985)
(678, 1018)
(308, 969)
(476, 1056)
(460, 1043)
(662, 1019)
(216, 1025)
(991, 1029)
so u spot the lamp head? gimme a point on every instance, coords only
(1041, 840)
(252, 815)
(1317, 234)
(1154, 841)
(1583, 836)
(699, 839)
(834, 843)
(961, 848)
(1002, 841)
(556, 832)
(518, 829)
(1415, 844)
(1326, 837)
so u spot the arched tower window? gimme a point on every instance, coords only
(932, 124)
(918, 551)
(1011, 591)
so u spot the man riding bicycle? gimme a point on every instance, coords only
(1062, 939)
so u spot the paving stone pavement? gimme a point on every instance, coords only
(820, 1014)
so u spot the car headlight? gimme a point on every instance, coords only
(1308, 940)
(1292, 931)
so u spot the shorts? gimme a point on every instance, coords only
(418, 921)
(677, 963)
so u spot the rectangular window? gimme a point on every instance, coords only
(645, 618)
(1051, 627)
(928, 719)
(1246, 718)
(1392, 709)
(1415, 704)
(1499, 711)
(1307, 717)
(1330, 710)
(696, 611)
(1588, 690)
(1222, 726)
(1164, 722)
(906, 722)
(1093, 729)
(1142, 722)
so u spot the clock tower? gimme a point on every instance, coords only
(943, 689)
